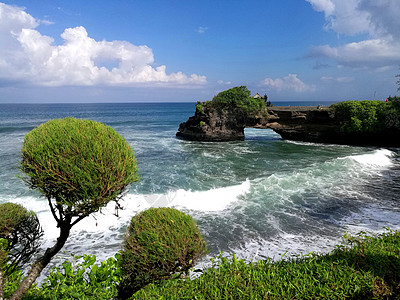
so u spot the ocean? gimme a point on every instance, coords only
(258, 198)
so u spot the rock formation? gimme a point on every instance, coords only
(300, 123)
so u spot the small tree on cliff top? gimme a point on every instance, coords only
(239, 97)
(79, 166)
(231, 96)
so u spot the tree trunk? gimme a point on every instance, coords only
(2, 281)
(41, 263)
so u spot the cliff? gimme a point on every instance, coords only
(215, 124)
(308, 124)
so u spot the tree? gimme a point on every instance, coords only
(20, 234)
(79, 166)
(398, 81)
(160, 243)
(231, 96)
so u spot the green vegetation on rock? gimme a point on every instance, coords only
(236, 98)
(160, 243)
(368, 116)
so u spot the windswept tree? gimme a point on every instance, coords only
(79, 166)
(20, 234)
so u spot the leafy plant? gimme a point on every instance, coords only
(160, 243)
(81, 278)
(199, 108)
(79, 166)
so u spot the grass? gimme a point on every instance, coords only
(365, 268)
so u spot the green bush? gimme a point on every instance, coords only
(232, 96)
(361, 116)
(81, 164)
(235, 98)
(392, 113)
(20, 234)
(368, 116)
(160, 243)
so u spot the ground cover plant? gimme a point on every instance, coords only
(365, 268)
(79, 166)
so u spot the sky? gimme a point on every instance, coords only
(54, 51)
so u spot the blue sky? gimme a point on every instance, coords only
(157, 50)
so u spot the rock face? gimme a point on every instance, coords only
(301, 123)
(218, 125)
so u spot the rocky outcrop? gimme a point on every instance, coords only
(309, 124)
(211, 124)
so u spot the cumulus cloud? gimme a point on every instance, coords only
(374, 53)
(290, 82)
(27, 55)
(378, 20)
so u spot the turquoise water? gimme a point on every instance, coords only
(262, 197)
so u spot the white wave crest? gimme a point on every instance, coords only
(216, 199)
(109, 218)
(379, 158)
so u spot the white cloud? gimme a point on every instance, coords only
(290, 82)
(325, 6)
(224, 82)
(380, 20)
(375, 53)
(343, 79)
(201, 29)
(29, 56)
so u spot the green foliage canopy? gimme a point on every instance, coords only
(368, 116)
(80, 164)
(160, 243)
(232, 96)
(235, 98)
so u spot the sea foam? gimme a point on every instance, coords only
(379, 158)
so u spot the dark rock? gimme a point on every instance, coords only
(299, 123)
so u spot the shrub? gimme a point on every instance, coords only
(232, 96)
(236, 98)
(361, 116)
(160, 243)
(79, 166)
(20, 234)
